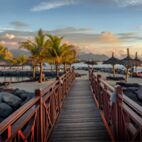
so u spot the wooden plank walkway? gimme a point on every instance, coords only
(79, 120)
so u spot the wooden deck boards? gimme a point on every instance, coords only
(79, 120)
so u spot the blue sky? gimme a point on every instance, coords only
(89, 24)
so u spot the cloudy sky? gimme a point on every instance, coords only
(96, 26)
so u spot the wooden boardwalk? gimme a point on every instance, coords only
(79, 120)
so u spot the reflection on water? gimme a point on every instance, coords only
(13, 79)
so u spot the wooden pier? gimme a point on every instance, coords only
(75, 110)
(79, 119)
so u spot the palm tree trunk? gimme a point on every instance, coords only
(57, 71)
(34, 72)
(113, 68)
(41, 76)
(127, 74)
(64, 67)
(51, 68)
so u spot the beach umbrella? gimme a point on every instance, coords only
(128, 62)
(112, 61)
(91, 62)
(137, 61)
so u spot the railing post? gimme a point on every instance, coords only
(60, 95)
(41, 124)
(73, 74)
(99, 90)
(52, 107)
(119, 129)
(90, 74)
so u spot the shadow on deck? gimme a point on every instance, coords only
(79, 119)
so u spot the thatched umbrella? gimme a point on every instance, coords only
(91, 62)
(128, 62)
(112, 61)
(137, 61)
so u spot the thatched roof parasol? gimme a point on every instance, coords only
(128, 62)
(91, 62)
(137, 61)
(112, 61)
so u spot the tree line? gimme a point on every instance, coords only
(44, 48)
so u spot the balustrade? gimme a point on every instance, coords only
(124, 117)
(35, 120)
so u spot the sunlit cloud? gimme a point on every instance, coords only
(52, 4)
(2, 42)
(84, 39)
(108, 37)
(9, 36)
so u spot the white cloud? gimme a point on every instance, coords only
(9, 36)
(127, 3)
(52, 4)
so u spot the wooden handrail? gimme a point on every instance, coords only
(38, 116)
(136, 107)
(124, 117)
(14, 116)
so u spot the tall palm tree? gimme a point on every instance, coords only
(57, 51)
(36, 49)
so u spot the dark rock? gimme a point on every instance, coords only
(11, 99)
(123, 84)
(139, 94)
(1, 119)
(29, 96)
(115, 78)
(0, 98)
(5, 110)
(21, 94)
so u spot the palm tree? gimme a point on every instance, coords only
(68, 56)
(36, 49)
(57, 52)
(5, 54)
(22, 60)
(19, 60)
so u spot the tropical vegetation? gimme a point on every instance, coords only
(5, 54)
(59, 53)
(43, 48)
(48, 48)
(37, 48)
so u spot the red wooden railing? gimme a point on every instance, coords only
(124, 118)
(34, 121)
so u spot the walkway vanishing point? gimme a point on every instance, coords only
(75, 110)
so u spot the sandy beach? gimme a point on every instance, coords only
(113, 83)
(31, 86)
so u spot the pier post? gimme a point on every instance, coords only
(118, 110)
(41, 123)
(99, 90)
